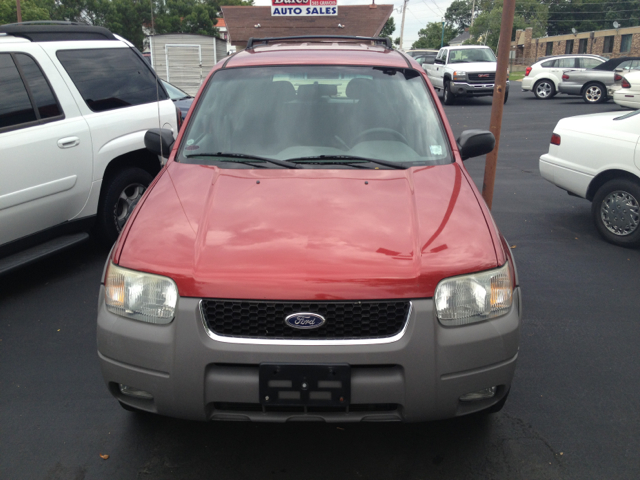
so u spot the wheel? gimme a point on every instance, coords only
(616, 212)
(594, 93)
(447, 97)
(506, 95)
(120, 196)
(544, 89)
(394, 133)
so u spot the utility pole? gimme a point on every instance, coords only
(499, 91)
(473, 12)
(19, 11)
(404, 9)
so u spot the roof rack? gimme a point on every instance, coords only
(52, 31)
(45, 22)
(384, 40)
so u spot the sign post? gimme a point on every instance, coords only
(499, 91)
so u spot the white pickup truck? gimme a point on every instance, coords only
(463, 71)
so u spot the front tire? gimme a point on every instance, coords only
(594, 93)
(120, 196)
(448, 98)
(544, 89)
(616, 212)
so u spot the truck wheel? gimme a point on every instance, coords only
(544, 89)
(616, 212)
(448, 98)
(120, 196)
(594, 93)
(506, 95)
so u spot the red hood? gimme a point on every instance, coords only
(309, 234)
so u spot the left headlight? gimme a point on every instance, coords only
(459, 76)
(473, 298)
(140, 296)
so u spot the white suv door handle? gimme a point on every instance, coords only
(68, 142)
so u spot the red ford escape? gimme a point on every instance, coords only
(314, 249)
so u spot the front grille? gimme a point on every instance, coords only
(477, 78)
(344, 320)
(256, 407)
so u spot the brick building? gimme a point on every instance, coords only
(621, 42)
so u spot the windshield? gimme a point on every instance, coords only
(333, 114)
(471, 55)
(174, 92)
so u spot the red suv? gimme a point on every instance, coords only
(314, 249)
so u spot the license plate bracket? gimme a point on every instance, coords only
(305, 384)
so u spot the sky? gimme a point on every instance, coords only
(419, 13)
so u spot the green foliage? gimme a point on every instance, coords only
(126, 17)
(31, 10)
(388, 28)
(458, 15)
(431, 35)
(588, 15)
(529, 13)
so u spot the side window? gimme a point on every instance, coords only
(566, 63)
(549, 64)
(112, 78)
(15, 106)
(625, 65)
(40, 90)
(589, 62)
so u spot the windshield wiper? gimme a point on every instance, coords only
(348, 159)
(282, 163)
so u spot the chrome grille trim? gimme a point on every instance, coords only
(298, 342)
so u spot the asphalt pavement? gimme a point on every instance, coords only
(573, 411)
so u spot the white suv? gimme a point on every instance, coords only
(543, 77)
(76, 102)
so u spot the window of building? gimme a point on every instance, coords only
(607, 47)
(569, 47)
(625, 43)
(582, 45)
(111, 78)
(549, 48)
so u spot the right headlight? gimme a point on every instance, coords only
(459, 76)
(473, 298)
(140, 296)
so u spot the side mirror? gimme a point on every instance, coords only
(159, 141)
(439, 60)
(473, 143)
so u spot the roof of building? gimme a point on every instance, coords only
(460, 38)
(221, 23)
(355, 20)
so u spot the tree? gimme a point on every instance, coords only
(458, 15)
(431, 36)
(529, 13)
(589, 15)
(388, 28)
(31, 10)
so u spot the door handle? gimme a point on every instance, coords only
(68, 142)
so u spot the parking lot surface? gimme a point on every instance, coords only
(572, 413)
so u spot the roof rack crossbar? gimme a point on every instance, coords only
(384, 40)
(45, 22)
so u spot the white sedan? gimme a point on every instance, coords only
(597, 157)
(629, 94)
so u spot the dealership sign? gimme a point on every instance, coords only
(304, 8)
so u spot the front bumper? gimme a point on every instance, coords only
(464, 89)
(419, 376)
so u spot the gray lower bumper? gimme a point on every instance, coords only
(569, 89)
(421, 375)
(472, 89)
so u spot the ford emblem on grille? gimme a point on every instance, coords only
(304, 320)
